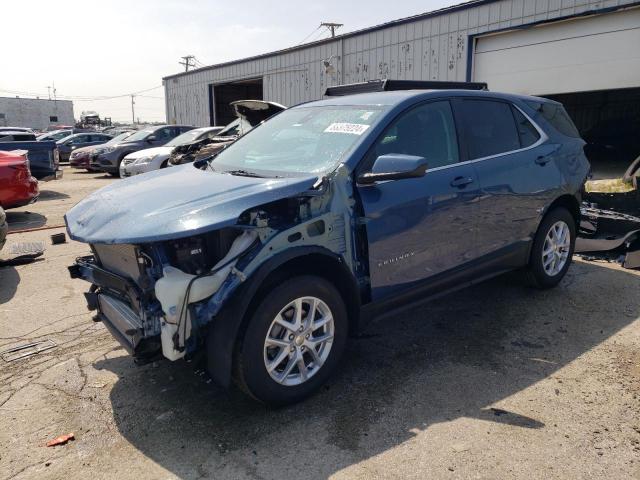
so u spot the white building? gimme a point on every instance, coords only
(35, 112)
(585, 53)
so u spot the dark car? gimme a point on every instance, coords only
(81, 157)
(17, 136)
(43, 157)
(79, 140)
(269, 256)
(109, 159)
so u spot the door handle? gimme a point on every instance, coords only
(543, 159)
(461, 182)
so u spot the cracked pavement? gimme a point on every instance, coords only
(496, 381)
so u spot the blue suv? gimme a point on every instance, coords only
(269, 255)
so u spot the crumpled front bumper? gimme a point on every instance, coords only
(116, 300)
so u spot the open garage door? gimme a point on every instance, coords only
(221, 95)
(601, 52)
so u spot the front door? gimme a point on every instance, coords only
(419, 227)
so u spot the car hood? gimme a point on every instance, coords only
(173, 203)
(148, 152)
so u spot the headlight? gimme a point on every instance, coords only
(144, 160)
(108, 150)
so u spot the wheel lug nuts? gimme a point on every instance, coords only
(306, 336)
(302, 348)
(291, 337)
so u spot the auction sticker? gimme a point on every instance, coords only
(352, 128)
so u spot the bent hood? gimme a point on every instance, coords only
(173, 203)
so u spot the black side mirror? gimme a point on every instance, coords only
(394, 166)
(151, 138)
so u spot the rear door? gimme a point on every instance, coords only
(512, 157)
(419, 227)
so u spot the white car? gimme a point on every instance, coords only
(150, 159)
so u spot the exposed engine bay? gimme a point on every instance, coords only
(160, 296)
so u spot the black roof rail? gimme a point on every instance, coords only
(389, 85)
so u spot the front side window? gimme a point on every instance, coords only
(490, 128)
(425, 131)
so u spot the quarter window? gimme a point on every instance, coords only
(426, 131)
(527, 132)
(490, 128)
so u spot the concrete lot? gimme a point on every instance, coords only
(497, 381)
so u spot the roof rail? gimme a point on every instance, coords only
(388, 85)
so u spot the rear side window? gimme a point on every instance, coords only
(489, 127)
(557, 116)
(527, 132)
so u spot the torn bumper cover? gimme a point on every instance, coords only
(609, 235)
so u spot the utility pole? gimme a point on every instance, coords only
(133, 112)
(332, 27)
(49, 90)
(189, 61)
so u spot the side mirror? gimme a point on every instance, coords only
(151, 138)
(394, 166)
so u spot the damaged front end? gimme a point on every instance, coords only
(160, 293)
(148, 295)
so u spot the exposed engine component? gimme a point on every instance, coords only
(177, 289)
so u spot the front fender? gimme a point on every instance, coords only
(225, 327)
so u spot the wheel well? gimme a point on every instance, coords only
(327, 267)
(570, 203)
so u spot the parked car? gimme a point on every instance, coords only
(333, 211)
(16, 136)
(17, 186)
(81, 157)
(109, 159)
(54, 136)
(249, 112)
(16, 129)
(78, 140)
(150, 159)
(43, 156)
(4, 228)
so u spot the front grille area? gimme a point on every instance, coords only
(119, 259)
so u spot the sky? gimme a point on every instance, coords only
(90, 49)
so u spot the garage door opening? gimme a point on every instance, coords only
(609, 121)
(220, 96)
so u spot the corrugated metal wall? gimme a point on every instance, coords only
(432, 48)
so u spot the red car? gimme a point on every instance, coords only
(79, 158)
(17, 186)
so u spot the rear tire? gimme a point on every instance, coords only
(552, 249)
(287, 353)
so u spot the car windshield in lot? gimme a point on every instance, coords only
(300, 140)
(119, 138)
(139, 135)
(185, 138)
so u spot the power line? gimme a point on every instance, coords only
(305, 38)
(82, 98)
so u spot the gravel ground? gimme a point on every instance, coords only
(497, 381)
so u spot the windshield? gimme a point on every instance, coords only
(186, 137)
(55, 136)
(119, 138)
(300, 140)
(237, 127)
(139, 135)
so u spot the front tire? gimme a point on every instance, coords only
(552, 249)
(293, 341)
